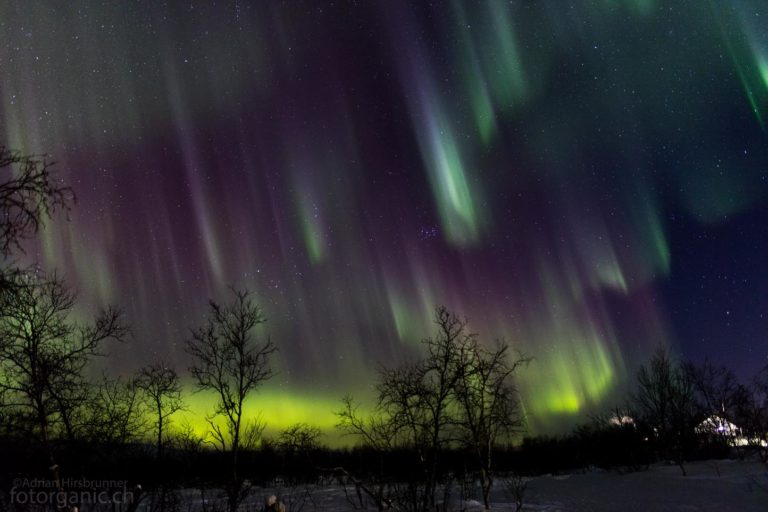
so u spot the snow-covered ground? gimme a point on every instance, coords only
(737, 486)
(726, 485)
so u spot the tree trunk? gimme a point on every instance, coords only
(485, 485)
(159, 433)
(234, 493)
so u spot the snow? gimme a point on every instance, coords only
(722, 486)
(741, 486)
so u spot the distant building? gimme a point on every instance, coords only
(715, 425)
(621, 420)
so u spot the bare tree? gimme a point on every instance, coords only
(161, 388)
(488, 402)
(420, 402)
(752, 413)
(252, 434)
(186, 439)
(27, 197)
(515, 486)
(298, 444)
(43, 353)
(374, 431)
(115, 412)
(715, 386)
(457, 391)
(299, 437)
(718, 395)
(665, 400)
(230, 361)
(377, 433)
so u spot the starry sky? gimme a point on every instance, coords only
(585, 179)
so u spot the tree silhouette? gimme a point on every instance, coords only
(752, 413)
(718, 394)
(299, 437)
(161, 388)
(420, 403)
(43, 353)
(375, 432)
(665, 400)
(488, 403)
(115, 411)
(230, 361)
(459, 391)
(27, 198)
(29, 195)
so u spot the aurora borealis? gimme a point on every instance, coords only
(585, 179)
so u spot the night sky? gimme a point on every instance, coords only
(585, 179)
